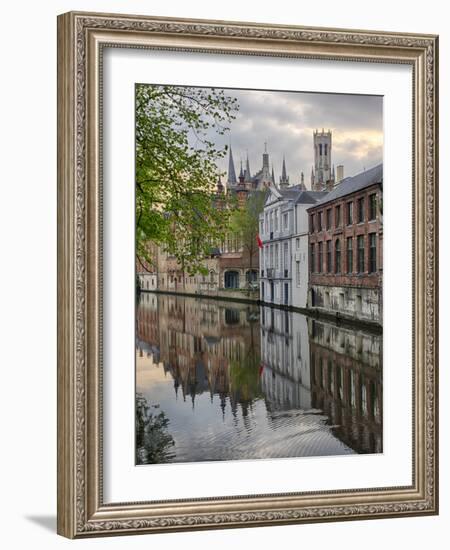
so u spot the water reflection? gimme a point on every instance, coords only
(238, 381)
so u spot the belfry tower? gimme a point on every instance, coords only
(322, 177)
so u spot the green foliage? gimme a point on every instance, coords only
(245, 374)
(154, 444)
(245, 221)
(176, 171)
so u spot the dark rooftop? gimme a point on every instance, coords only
(355, 183)
(290, 192)
(310, 197)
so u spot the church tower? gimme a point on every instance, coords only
(322, 160)
(265, 175)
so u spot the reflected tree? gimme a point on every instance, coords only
(154, 444)
(245, 373)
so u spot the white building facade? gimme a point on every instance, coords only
(276, 227)
(283, 258)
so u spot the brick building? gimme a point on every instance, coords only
(231, 269)
(347, 384)
(346, 248)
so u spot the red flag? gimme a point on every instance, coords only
(259, 241)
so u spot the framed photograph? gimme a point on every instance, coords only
(247, 284)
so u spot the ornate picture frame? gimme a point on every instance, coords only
(82, 511)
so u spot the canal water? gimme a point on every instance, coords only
(219, 380)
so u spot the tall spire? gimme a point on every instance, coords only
(302, 181)
(247, 169)
(312, 178)
(284, 180)
(241, 173)
(265, 157)
(231, 170)
(273, 176)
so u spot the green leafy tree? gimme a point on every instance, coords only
(245, 383)
(245, 223)
(176, 171)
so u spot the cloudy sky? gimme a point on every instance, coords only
(286, 121)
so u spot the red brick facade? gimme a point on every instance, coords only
(346, 240)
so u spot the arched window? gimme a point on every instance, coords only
(231, 279)
(337, 258)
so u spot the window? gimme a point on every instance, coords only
(311, 223)
(349, 213)
(271, 256)
(231, 279)
(373, 206)
(297, 244)
(337, 256)
(286, 220)
(320, 149)
(319, 221)
(271, 221)
(251, 276)
(261, 227)
(232, 316)
(329, 218)
(277, 256)
(360, 210)
(320, 261)
(326, 149)
(276, 220)
(286, 256)
(297, 273)
(312, 265)
(337, 216)
(329, 256)
(360, 243)
(372, 253)
(350, 255)
(266, 224)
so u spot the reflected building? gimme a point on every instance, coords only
(294, 384)
(147, 325)
(205, 346)
(285, 376)
(346, 383)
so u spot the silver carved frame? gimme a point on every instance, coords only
(81, 37)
